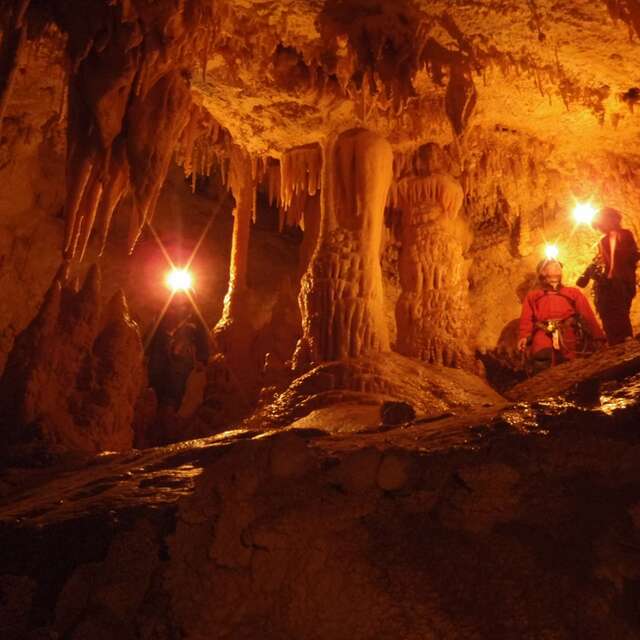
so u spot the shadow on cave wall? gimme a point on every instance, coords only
(504, 365)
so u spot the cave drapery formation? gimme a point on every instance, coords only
(363, 189)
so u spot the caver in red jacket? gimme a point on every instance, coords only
(560, 305)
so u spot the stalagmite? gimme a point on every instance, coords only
(75, 373)
(341, 296)
(432, 312)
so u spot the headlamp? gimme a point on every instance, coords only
(179, 280)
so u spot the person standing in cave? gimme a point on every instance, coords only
(555, 320)
(179, 344)
(615, 290)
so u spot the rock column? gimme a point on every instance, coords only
(432, 313)
(341, 296)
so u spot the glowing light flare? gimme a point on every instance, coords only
(584, 212)
(551, 251)
(179, 280)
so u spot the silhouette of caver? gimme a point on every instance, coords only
(179, 344)
(615, 290)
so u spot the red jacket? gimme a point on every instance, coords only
(626, 256)
(546, 304)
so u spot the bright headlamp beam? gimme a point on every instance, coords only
(179, 280)
(584, 212)
(551, 252)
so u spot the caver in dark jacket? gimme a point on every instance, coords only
(179, 343)
(615, 290)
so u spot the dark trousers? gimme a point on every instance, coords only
(613, 299)
(543, 359)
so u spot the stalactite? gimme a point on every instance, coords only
(299, 172)
(272, 176)
(79, 170)
(165, 108)
(524, 235)
(115, 187)
(89, 207)
(460, 99)
(202, 144)
(292, 181)
(122, 76)
(187, 143)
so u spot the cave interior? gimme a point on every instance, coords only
(262, 264)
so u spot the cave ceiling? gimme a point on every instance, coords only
(142, 82)
(281, 74)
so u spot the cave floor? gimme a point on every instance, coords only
(158, 477)
(516, 520)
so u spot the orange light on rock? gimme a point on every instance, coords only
(584, 212)
(551, 251)
(179, 280)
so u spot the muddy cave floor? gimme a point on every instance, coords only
(560, 455)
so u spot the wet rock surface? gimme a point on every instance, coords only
(511, 522)
(370, 381)
(609, 364)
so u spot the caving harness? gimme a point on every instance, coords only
(555, 327)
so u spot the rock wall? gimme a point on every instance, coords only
(74, 375)
(32, 151)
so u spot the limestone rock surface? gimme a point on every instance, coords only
(74, 375)
(516, 522)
